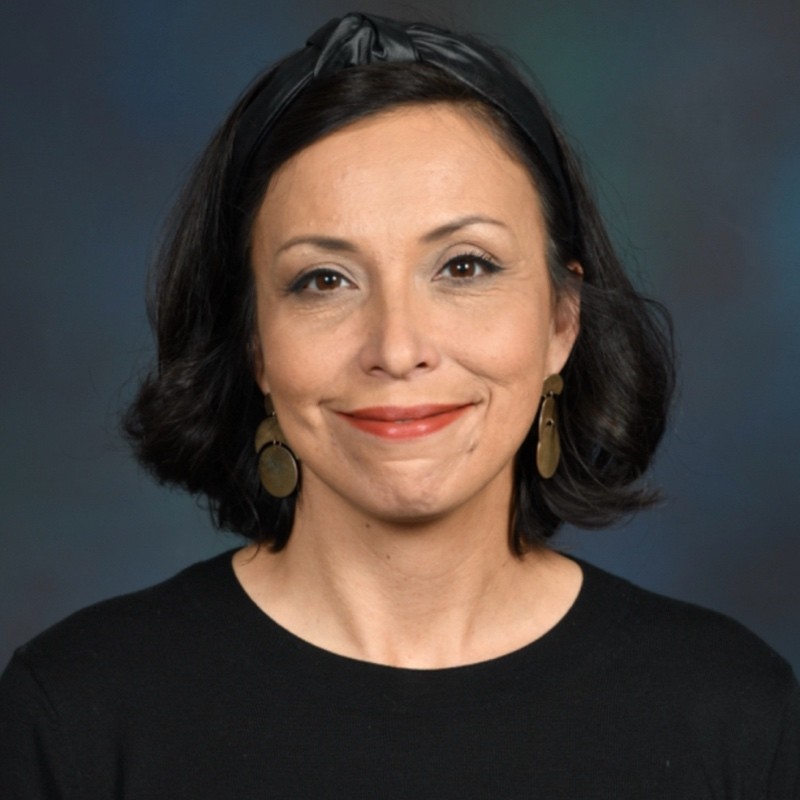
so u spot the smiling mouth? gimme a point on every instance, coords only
(394, 422)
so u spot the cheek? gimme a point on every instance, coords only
(298, 368)
(511, 347)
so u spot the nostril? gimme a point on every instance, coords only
(400, 339)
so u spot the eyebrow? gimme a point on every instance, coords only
(323, 242)
(443, 231)
(336, 245)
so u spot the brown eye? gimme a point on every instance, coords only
(468, 266)
(325, 281)
(462, 268)
(318, 281)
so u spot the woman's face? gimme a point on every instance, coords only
(405, 317)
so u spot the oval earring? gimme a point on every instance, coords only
(548, 449)
(277, 465)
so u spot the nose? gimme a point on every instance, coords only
(400, 336)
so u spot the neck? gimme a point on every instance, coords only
(431, 593)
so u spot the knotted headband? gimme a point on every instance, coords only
(359, 39)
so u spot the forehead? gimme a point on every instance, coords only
(437, 160)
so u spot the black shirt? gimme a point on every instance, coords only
(188, 690)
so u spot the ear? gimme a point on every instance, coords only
(566, 320)
(257, 362)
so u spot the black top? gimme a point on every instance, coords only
(187, 690)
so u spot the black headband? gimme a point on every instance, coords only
(358, 39)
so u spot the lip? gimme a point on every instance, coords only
(404, 422)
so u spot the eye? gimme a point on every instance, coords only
(468, 266)
(318, 281)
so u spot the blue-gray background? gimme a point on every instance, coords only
(688, 112)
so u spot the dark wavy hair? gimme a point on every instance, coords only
(193, 420)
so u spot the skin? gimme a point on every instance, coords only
(399, 265)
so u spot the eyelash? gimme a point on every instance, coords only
(304, 281)
(487, 264)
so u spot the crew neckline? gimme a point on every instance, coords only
(317, 672)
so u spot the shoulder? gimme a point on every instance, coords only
(698, 638)
(111, 676)
(126, 632)
(708, 665)
(702, 636)
(723, 702)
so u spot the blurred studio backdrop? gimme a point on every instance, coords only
(688, 115)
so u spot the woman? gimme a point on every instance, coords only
(396, 352)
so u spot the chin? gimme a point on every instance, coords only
(394, 505)
(407, 517)
(413, 505)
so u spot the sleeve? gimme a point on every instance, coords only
(784, 776)
(34, 762)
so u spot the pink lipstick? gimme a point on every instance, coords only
(396, 422)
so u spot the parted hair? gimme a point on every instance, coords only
(193, 418)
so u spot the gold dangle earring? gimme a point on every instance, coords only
(548, 450)
(277, 466)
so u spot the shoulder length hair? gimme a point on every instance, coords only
(193, 419)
